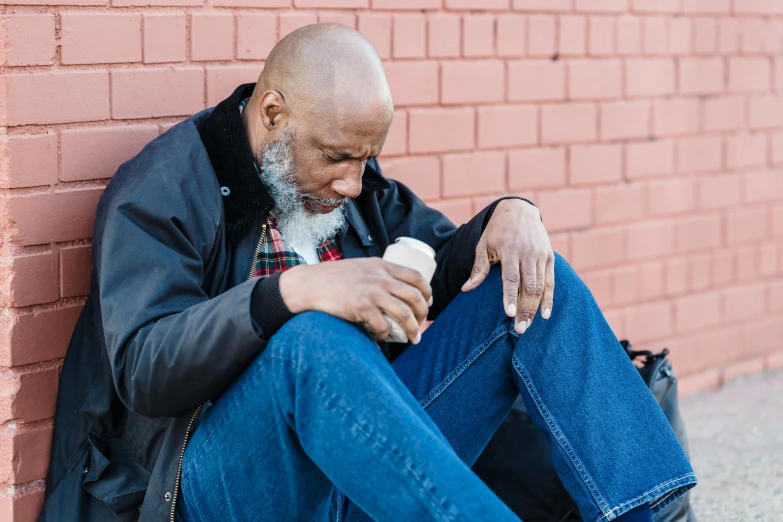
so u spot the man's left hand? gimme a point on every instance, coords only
(516, 237)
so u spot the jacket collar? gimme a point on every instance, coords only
(247, 200)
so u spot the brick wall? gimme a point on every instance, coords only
(650, 132)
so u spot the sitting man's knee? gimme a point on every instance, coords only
(564, 272)
(568, 285)
(316, 335)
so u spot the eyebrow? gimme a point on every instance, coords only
(341, 154)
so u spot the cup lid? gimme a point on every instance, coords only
(418, 245)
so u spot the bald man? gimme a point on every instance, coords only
(231, 364)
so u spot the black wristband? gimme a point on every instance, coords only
(267, 308)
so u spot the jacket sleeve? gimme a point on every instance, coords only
(170, 346)
(404, 214)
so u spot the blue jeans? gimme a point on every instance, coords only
(321, 415)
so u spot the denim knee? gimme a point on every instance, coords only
(317, 337)
(567, 282)
(491, 288)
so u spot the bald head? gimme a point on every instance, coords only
(326, 66)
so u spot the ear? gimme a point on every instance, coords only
(273, 111)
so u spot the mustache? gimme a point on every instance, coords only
(326, 201)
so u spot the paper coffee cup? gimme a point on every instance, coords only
(410, 253)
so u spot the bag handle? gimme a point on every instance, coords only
(649, 357)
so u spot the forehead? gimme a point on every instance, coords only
(341, 126)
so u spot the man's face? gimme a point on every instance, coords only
(330, 149)
(311, 170)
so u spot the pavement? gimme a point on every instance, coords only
(736, 445)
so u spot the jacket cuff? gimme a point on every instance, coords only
(491, 209)
(267, 308)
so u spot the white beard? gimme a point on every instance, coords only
(296, 224)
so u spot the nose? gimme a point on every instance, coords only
(349, 183)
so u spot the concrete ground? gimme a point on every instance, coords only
(736, 444)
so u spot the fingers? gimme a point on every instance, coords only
(533, 277)
(480, 268)
(549, 287)
(511, 276)
(371, 318)
(539, 289)
(399, 310)
(412, 297)
(398, 292)
(527, 298)
(411, 277)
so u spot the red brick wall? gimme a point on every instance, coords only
(650, 132)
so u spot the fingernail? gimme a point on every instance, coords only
(418, 338)
(521, 327)
(529, 322)
(547, 313)
(512, 310)
(429, 303)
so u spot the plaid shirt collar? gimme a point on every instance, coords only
(274, 254)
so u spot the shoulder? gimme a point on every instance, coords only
(174, 161)
(171, 179)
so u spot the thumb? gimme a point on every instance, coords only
(480, 268)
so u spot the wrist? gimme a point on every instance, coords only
(529, 205)
(293, 290)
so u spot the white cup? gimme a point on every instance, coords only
(410, 253)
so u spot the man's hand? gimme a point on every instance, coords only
(517, 239)
(360, 291)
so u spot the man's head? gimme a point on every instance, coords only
(320, 109)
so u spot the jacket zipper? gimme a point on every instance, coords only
(198, 410)
(179, 467)
(258, 251)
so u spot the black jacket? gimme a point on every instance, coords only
(172, 319)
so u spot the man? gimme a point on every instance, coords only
(230, 363)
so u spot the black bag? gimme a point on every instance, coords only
(517, 463)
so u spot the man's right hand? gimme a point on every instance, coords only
(360, 291)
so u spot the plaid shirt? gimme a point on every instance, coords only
(274, 254)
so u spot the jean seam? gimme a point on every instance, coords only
(671, 497)
(663, 499)
(677, 482)
(420, 478)
(441, 387)
(561, 439)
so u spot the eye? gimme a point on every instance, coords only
(331, 159)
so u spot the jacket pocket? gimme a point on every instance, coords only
(113, 477)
